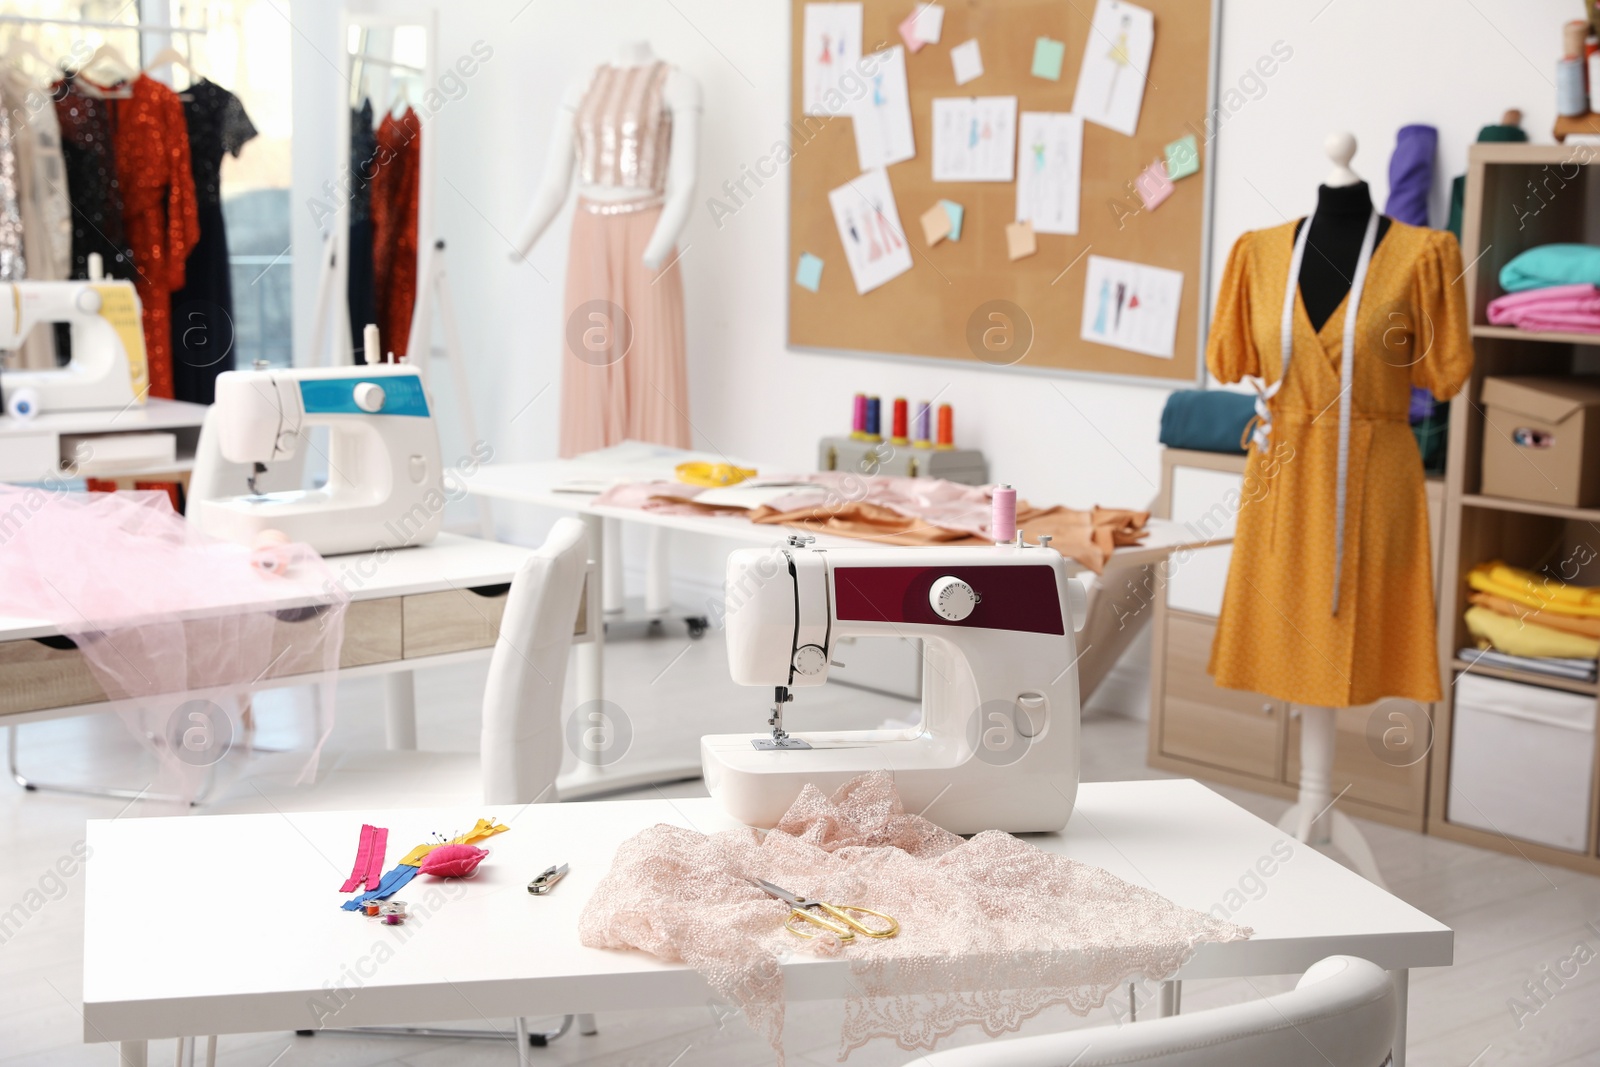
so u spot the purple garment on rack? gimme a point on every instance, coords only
(1410, 181)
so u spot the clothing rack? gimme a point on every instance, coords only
(140, 27)
(373, 61)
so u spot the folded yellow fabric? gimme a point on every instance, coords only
(1571, 624)
(1518, 638)
(1535, 590)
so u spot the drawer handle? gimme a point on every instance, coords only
(490, 591)
(310, 611)
(59, 642)
(1266, 709)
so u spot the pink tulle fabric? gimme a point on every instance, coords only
(173, 625)
(947, 505)
(993, 929)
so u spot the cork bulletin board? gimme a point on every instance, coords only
(937, 308)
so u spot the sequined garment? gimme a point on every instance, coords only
(202, 311)
(12, 264)
(624, 131)
(41, 176)
(88, 150)
(993, 929)
(396, 186)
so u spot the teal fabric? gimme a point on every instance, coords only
(1207, 420)
(1547, 265)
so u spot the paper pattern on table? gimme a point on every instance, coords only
(1049, 170)
(832, 50)
(882, 116)
(869, 228)
(1131, 305)
(974, 138)
(966, 60)
(1116, 63)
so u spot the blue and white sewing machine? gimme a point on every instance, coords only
(384, 487)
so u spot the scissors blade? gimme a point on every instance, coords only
(781, 893)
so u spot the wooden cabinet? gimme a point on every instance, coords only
(1204, 723)
(453, 621)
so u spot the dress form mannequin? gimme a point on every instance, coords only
(682, 99)
(1344, 206)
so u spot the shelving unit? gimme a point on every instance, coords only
(1518, 196)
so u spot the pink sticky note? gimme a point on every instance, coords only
(1153, 185)
(908, 34)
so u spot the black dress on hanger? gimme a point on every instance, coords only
(91, 164)
(361, 284)
(202, 311)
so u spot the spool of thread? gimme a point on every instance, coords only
(858, 417)
(898, 434)
(373, 907)
(371, 351)
(1571, 99)
(269, 552)
(923, 435)
(1573, 35)
(1003, 514)
(873, 432)
(947, 427)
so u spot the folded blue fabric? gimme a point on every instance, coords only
(1207, 420)
(1548, 265)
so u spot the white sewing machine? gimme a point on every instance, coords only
(384, 485)
(108, 367)
(997, 748)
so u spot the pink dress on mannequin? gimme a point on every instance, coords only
(623, 368)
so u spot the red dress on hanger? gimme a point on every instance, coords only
(159, 210)
(396, 188)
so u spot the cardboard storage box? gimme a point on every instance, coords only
(1540, 439)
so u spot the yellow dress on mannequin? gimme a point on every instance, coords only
(1278, 633)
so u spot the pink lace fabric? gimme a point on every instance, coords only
(993, 929)
(947, 505)
(174, 626)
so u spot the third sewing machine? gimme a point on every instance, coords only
(997, 747)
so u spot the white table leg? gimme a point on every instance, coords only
(613, 587)
(590, 655)
(524, 1058)
(135, 1053)
(1171, 1002)
(400, 710)
(658, 573)
(211, 1051)
(1402, 988)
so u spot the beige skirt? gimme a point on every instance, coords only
(623, 366)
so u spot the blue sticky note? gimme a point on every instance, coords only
(1047, 57)
(808, 275)
(955, 211)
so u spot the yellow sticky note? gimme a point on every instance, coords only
(935, 224)
(1020, 242)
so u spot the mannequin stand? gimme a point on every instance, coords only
(1314, 819)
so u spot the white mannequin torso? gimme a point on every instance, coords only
(681, 98)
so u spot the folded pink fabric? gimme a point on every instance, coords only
(1556, 307)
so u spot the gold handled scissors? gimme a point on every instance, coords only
(838, 919)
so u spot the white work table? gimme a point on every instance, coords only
(166, 954)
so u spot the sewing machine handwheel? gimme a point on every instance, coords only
(697, 626)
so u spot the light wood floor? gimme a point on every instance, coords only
(1512, 918)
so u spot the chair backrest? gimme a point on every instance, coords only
(1342, 1013)
(521, 743)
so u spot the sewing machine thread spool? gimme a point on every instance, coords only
(371, 350)
(1003, 514)
(373, 907)
(873, 408)
(947, 427)
(858, 417)
(897, 435)
(923, 435)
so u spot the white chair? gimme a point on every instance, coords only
(1342, 1013)
(519, 751)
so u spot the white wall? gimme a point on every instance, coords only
(1362, 65)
